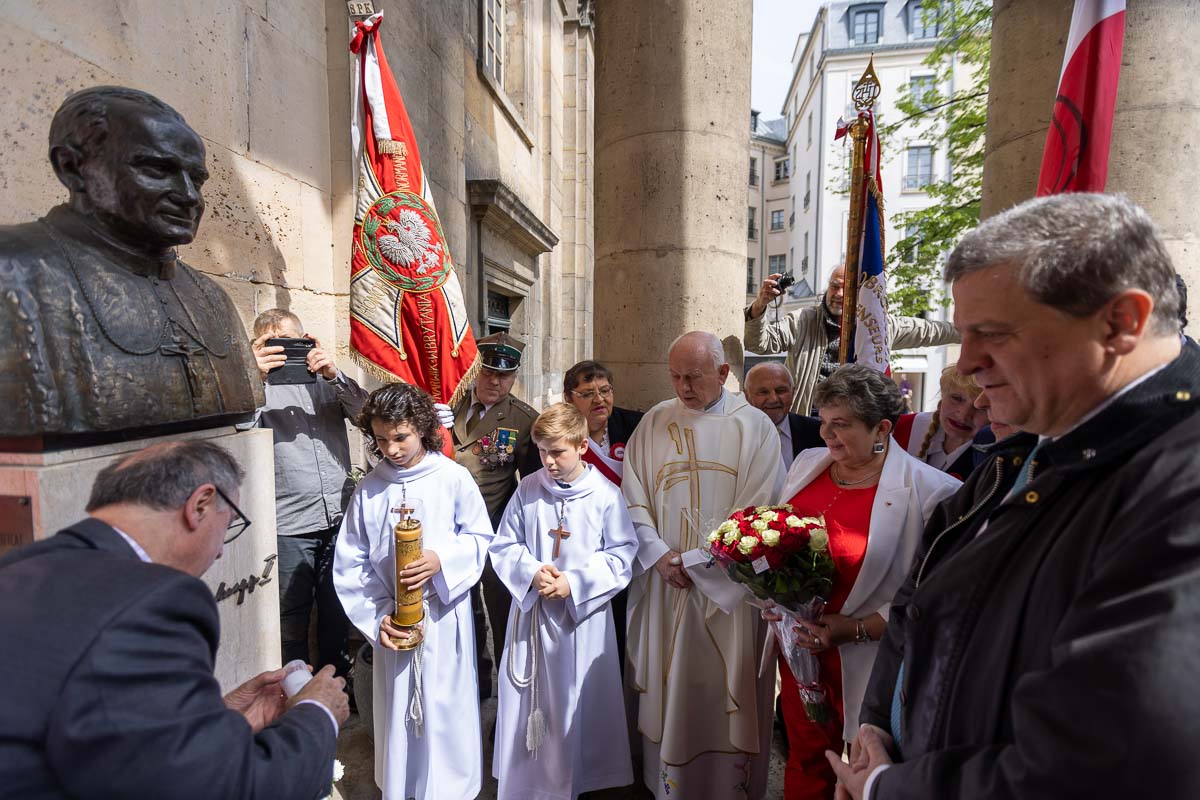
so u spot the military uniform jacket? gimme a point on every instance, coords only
(497, 448)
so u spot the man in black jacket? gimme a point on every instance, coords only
(1045, 644)
(107, 685)
(769, 389)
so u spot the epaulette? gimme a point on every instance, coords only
(520, 405)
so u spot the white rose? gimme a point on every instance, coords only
(759, 525)
(770, 538)
(747, 544)
(793, 521)
(714, 537)
(768, 516)
(818, 540)
(761, 509)
(732, 535)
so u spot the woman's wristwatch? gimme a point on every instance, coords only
(861, 635)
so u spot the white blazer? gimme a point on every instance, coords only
(907, 493)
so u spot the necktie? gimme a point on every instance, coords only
(476, 414)
(896, 705)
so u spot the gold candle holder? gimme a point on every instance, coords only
(410, 611)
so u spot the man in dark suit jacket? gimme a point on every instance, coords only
(108, 684)
(769, 389)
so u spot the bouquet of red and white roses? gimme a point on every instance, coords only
(784, 558)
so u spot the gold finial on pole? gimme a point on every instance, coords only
(865, 92)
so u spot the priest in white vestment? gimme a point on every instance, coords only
(570, 674)
(704, 714)
(430, 750)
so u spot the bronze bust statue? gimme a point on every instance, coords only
(104, 327)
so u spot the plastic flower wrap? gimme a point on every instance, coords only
(784, 558)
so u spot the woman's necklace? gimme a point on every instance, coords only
(833, 470)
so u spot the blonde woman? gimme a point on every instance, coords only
(943, 438)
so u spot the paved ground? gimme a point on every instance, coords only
(356, 752)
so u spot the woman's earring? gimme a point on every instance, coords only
(878, 448)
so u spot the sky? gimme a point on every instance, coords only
(777, 23)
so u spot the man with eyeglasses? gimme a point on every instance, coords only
(108, 688)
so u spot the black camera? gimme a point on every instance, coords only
(785, 280)
(295, 369)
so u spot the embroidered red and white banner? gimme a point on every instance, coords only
(1075, 158)
(408, 320)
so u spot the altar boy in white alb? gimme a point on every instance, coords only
(427, 734)
(564, 548)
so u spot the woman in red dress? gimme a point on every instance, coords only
(875, 499)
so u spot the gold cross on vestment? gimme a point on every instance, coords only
(559, 534)
(688, 469)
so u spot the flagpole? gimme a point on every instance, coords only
(865, 92)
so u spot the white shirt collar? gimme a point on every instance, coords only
(137, 548)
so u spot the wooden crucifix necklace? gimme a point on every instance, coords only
(560, 532)
(404, 511)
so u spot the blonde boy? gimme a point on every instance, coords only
(565, 546)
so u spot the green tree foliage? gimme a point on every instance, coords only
(953, 113)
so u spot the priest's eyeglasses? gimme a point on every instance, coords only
(239, 523)
(590, 394)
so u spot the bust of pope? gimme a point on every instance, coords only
(110, 330)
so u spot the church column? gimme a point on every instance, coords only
(1153, 159)
(672, 102)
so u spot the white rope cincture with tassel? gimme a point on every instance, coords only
(416, 705)
(535, 727)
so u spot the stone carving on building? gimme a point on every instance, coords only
(105, 328)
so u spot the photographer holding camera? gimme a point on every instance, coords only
(810, 336)
(308, 401)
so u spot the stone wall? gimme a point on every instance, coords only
(266, 84)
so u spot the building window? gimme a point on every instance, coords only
(810, 126)
(777, 264)
(751, 283)
(754, 172)
(804, 262)
(864, 25)
(493, 39)
(812, 67)
(922, 88)
(908, 252)
(807, 189)
(919, 173)
(923, 19)
(777, 219)
(751, 230)
(782, 170)
(499, 312)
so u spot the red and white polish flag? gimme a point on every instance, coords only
(1075, 158)
(408, 320)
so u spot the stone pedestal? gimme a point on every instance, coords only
(672, 154)
(1153, 157)
(52, 488)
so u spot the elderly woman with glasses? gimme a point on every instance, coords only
(875, 499)
(589, 387)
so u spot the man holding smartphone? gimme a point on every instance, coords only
(312, 481)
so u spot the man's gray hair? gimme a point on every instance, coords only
(711, 343)
(763, 366)
(1075, 252)
(163, 477)
(870, 395)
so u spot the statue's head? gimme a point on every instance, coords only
(132, 164)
